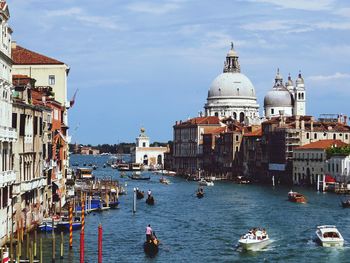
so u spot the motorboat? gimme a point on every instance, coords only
(329, 236)
(46, 227)
(138, 177)
(296, 197)
(206, 182)
(255, 239)
(200, 194)
(164, 180)
(85, 173)
(64, 224)
(165, 172)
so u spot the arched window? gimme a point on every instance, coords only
(299, 96)
(235, 116)
(241, 117)
(216, 114)
(302, 95)
(145, 159)
(159, 159)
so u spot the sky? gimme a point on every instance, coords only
(150, 63)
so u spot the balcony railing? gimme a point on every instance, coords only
(7, 134)
(7, 177)
(26, 186)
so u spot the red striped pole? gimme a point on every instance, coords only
(82, 230)
(70, 226)
(99, 243)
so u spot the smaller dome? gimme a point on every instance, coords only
(299, 80)
(278, 98)
(232, 53)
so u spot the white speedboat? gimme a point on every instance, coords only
(255, 239)
(329, 236)
(204, 182)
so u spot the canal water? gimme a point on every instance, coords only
(207, 229)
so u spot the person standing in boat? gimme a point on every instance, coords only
(149, 193)
(149, 233)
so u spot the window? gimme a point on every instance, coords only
(334, 136)
(14, 120)
(237, 138)
(143, 144)
(41, 126)
(346, 136)
(35, 125)
(22, 124)
(337, 168)
(272, 111)
(307, 135)
(315, 135)
(51, 79)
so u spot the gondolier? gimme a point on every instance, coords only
(148, 233)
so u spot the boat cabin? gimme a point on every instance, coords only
(84, 173)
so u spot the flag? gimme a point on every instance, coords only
(72, 101)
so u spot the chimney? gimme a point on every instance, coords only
(297, 122)
(14, 44)
(302, 125)
(312, 123)
(345, 120)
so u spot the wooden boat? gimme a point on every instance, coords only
(296, 197)
(139, 194)
(114, 204)
(151, 247)
(346, 203)
(46, 227)
(200, 194)
(150, 200)
(63, 225)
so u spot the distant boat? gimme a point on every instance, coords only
(138, 177)
(204, 182)
(163, 180)
(296, 197)
(139, 194)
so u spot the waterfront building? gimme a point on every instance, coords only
(86, 150)
(8, 135)
(188, 143)
(31, 122)
(232, 94)
(285, 99)
(309, 161)
(52, 73)
(148, 156)
(281, 135)
(338, 167)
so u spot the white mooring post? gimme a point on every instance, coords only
(134, 202)
(273, 181)
(318, 183)
(324, 183)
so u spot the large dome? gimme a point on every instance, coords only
(278, 98)
(231, 84)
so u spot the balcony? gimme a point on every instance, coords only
(7, 177)
(26, 186)
(7, 134)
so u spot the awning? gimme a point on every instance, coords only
(329, 179)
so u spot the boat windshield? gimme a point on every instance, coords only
(331, 235)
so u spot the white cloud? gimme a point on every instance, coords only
(153, 8)
(271, 25)
(310, 5)
(89, 20)
(333, 25)
(343, 12)
(335, 76)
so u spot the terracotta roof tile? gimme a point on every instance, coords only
(255, 133)
(23, 56)
(200, 121)
(322, 144)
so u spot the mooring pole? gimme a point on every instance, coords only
(99, 243)
(134, 202)
(81, 247)
(70, 226)
(53, 240)
(273, 181)
(62, 244)
(318, 183)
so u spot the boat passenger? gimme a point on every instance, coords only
(149, 193)
(149, 233)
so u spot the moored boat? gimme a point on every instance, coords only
(345, 203)
(63, 225)
(329, 236)
(255, 239)
(296, 197)
(138, 177)
(46, 227)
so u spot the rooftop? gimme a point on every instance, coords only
(210, 120)
(23, 56)
(322, 145)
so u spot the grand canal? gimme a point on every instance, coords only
(207, 230)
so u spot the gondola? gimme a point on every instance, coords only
(139, 194)
(200, 194)
(150, 200)
(151, 247)
(114, 204)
